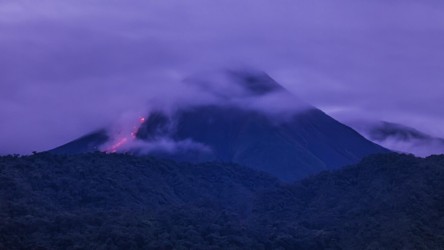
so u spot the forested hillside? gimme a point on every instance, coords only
(116, 201)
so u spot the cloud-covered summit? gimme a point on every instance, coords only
(68, 67)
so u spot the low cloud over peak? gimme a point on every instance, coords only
(69, 67)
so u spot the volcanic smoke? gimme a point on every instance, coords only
(122, 140)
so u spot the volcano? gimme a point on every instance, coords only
(258, 124)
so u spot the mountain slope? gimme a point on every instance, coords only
(260, 125)
(385, 202)
(401, 138)
(115, 201)
(307, 143)
(88, 143)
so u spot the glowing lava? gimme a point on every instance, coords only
(117, 145)
(125, 139)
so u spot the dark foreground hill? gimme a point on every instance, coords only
(115, 201)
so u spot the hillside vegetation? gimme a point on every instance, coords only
(117, 201)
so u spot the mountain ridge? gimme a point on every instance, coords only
(120, 201)
(289, 142)
(400, 138)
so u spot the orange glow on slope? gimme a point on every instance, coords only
(123, 140)
(117, 145)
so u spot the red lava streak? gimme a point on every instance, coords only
(117, 145)
(124, 139)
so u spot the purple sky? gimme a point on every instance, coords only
(68, 67)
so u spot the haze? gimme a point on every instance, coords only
(70, 67)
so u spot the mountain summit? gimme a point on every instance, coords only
(248, 82)
(258, 124)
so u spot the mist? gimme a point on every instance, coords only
(69, 68)
(244, 89)
(400, 138)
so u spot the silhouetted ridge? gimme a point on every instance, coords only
(388, 129)
(115, 201)
(401, 138)
(88, 143)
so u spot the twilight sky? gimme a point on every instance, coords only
(69, 67)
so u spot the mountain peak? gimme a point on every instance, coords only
(255, 82)
(235, 83)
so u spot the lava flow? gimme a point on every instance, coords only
(124, 139)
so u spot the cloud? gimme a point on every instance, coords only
(399, 138)
(166, 145)
(241, 88)
(421, 148)
(68, 67)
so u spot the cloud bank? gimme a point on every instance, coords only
(400, 138)
(69, 67)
